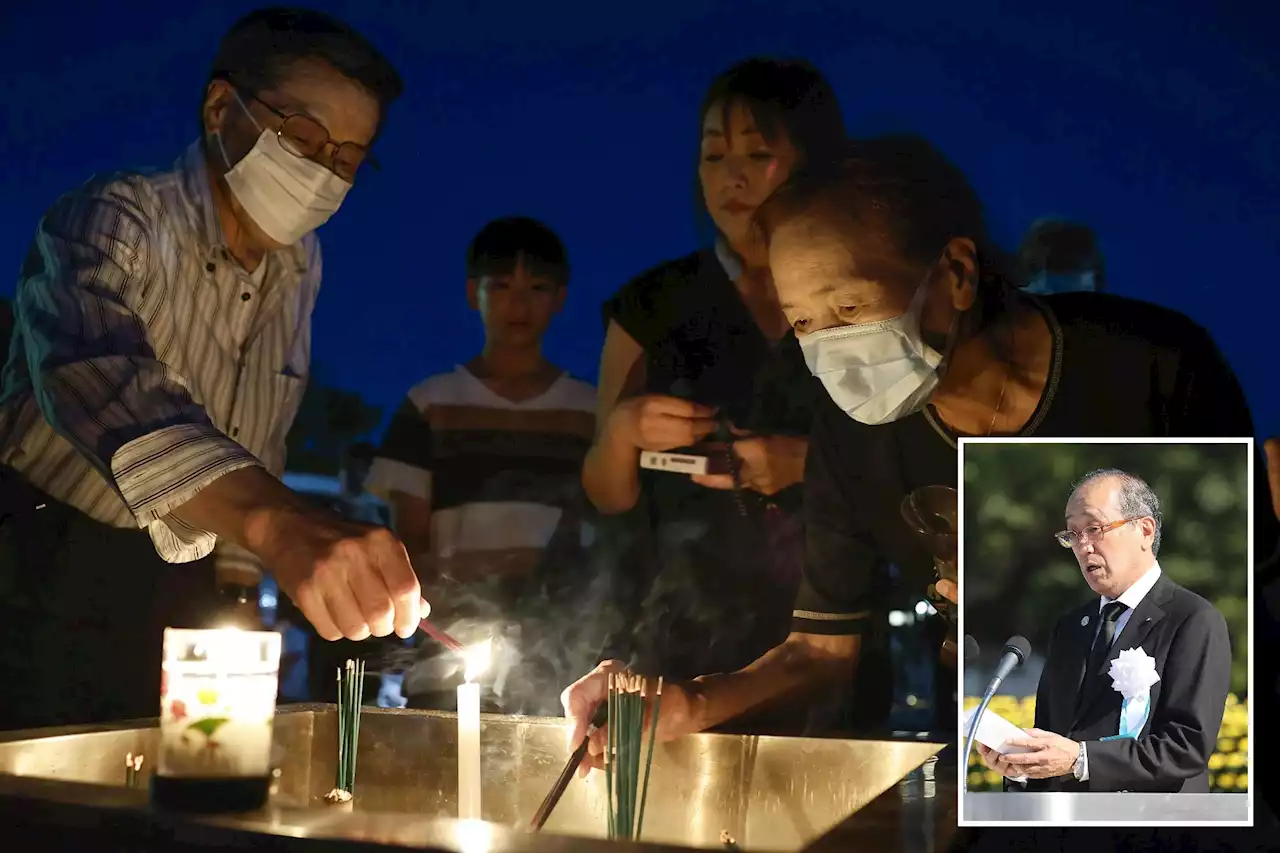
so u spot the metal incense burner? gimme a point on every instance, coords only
(767, 793)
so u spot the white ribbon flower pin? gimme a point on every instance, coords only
(1132, 675)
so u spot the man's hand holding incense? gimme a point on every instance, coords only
(584, 696)
(349, 579)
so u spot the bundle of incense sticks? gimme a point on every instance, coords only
(625, 792)
(350, 703)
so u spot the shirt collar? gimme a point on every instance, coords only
(201, 213)
(1137, 591)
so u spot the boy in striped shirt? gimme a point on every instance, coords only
(481, 465)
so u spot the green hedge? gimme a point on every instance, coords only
(1228, 767)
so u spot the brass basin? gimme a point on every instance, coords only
(770, 793)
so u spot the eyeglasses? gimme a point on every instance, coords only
(305, 137)
(1092, 533)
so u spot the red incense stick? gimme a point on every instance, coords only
(440, 636)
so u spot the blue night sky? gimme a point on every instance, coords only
(1154, 122)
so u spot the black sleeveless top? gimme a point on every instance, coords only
(722, 568)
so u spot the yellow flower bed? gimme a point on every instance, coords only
(1228, 766)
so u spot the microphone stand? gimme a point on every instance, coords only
(973, 727)
(1016, 652)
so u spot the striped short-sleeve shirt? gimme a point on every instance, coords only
(146, 362)
(497, 473)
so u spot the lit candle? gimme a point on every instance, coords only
(217, 703)
(476, 660)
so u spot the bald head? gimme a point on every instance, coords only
(1116, 519)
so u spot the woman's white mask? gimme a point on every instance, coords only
(287, 196)
(878, 372)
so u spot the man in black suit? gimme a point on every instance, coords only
(1113, 528)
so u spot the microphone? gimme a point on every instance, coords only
(1015, 653)
(970, 648)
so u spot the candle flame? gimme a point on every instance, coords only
(476, 660)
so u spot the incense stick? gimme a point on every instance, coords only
(440, 636)
(611, 731)
(570, 768)
(648, 764)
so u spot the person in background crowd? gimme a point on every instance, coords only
(701, 342)
(881, 263)
(480, 465)
(161, 349)
(1057, 256)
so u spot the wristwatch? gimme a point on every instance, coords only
(1077, 769)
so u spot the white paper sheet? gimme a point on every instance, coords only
(993, 732)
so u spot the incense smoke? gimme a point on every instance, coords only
(546, 630)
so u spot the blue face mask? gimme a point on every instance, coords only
(1069, 282)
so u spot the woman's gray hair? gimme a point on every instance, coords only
(1137, 500)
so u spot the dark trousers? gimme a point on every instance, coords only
(83, 608)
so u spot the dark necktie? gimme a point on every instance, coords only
(1111, 612)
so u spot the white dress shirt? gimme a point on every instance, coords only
(1130, 598)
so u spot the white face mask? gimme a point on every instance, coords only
(287, 196)
(1045, 283)
(878, 372)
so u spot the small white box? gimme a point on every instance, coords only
(677, 463)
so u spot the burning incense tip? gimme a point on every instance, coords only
(132, 767)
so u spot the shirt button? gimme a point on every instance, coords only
(210, 267)
(245, 297)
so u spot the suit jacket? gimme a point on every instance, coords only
(1188, 639)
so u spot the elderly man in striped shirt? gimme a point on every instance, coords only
(161, 348)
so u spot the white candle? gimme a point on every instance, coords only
(477, 661)
(217, 703)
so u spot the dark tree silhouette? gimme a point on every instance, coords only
(330, 421)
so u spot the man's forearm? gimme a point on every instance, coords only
(240, 506)
(794, 667)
